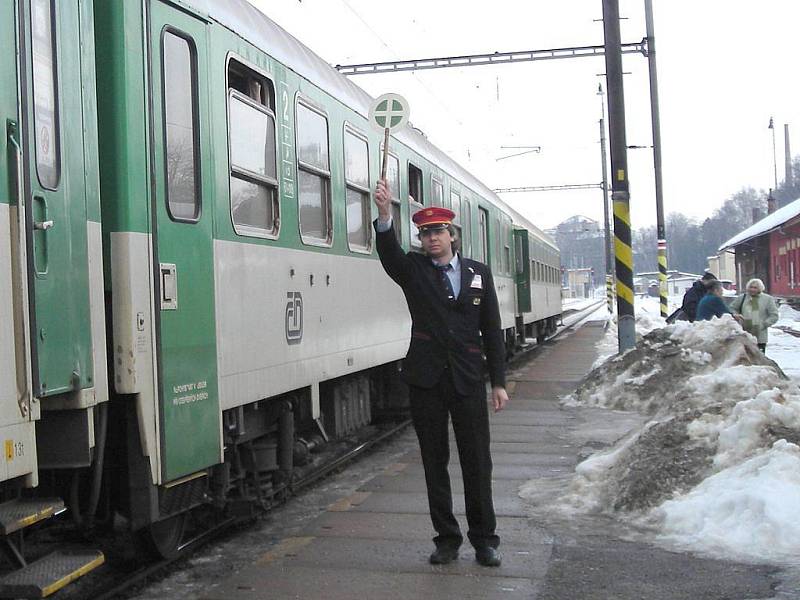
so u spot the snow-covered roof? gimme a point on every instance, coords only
(765, 225)
(251, 24)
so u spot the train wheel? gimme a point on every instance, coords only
(163, 538)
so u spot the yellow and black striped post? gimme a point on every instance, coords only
(662, 276)
(610, 293)
(620, 196)
(623, 258)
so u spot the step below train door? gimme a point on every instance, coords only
(182, 241)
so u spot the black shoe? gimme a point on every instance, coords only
(488, 557)
(443, 555)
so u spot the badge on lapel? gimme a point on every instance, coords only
(477, 283)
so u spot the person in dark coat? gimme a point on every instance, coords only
(455, 317)
(693, 296)
(712, 305)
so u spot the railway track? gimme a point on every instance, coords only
(126, 581)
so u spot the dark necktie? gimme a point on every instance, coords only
(448, 286)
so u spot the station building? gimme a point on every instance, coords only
(770, 250)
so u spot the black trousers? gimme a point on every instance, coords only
(431, 410)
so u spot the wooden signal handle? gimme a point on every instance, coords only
(385, 152)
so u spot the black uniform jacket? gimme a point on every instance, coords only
(446, 333)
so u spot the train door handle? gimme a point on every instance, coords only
(41, 250)
(169, 286)
(43, 225)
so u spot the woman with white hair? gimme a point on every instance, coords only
(758, 310)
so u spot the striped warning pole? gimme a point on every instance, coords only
(662, 275)
(610, 292)
(620, 195)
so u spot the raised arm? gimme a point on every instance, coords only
(394, 260)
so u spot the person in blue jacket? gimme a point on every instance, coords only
(712, 305)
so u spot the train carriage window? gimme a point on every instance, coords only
(455, 206)
(507, 248)
(255, 206)
(437, 192)
(483, 235)
(413, 207)
(180, 127)
(356, 176)
(466, 224)
(498, 257)
(393, 179)
(313, 176)
(415, 192)
(45, 96)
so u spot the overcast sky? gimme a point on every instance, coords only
(724, 66)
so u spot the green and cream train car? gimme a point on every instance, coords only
(189, 288)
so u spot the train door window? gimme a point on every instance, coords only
(483, 235)
(415, 192)
(393, 179)
(356, 176)
(437, 192)
(518, 255)
(253, 158)
(180, 127)
(313, 175)
(45, 86)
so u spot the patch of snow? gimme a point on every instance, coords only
(748, 510)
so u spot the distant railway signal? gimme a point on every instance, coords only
(388, 113)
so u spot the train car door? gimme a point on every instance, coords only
(522, 270)
(52, 148)
(182, 241)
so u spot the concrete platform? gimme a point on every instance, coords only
(374, 543)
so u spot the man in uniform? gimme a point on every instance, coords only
(454, 313)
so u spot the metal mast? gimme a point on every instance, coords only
(620, 193)
(656, 123)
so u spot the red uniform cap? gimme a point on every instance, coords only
(434, 217)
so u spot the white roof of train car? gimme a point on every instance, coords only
(250, 23)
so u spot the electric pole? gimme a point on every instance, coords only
(620, 193)
(656, 122)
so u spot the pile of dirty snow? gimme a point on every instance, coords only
(717, 468)
(647, 320)
(658, 373)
